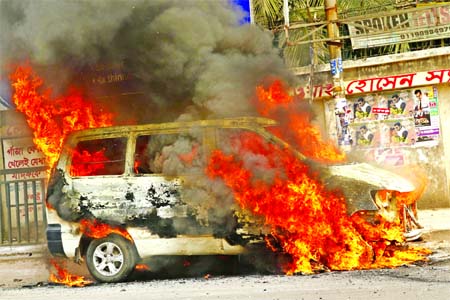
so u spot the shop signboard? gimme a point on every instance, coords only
(428, 23)
(377, 84)
(22, 156)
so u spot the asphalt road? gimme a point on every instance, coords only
(412, 282)
(28, 279)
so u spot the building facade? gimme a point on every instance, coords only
(395, 114)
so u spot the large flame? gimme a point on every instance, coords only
(53, 119)
(275, 101)
(309, 222)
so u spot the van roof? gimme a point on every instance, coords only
(241, 122)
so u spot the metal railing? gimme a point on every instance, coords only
(22, 212)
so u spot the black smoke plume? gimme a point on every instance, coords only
(184, 59)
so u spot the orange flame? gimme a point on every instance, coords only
(309, 222)
(415, 175)
(62, 276)
(142, 267)
(275, 101)
(98, 230)
(79, 166)
(274, 98)
(52, 119)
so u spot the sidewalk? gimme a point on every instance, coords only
(434, 219)
(17, 252)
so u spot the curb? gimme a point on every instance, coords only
(434, 219)
(22, 251)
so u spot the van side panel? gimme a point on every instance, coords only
(148, 244)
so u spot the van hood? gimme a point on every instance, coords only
(373, 175)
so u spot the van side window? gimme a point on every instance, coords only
(99, 157)
(169, 154)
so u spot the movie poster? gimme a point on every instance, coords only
(386, 122)
(426, 116)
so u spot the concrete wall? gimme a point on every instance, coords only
(444, 91)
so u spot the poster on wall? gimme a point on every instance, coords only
(21, 155)
(426, 116)
(384, 122)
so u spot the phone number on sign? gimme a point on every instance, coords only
(426, 32)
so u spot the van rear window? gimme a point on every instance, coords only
(99, 157)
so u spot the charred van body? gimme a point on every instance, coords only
(150, 181)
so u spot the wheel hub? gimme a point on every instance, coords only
(108, 259)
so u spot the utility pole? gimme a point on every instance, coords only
(334, 47)
(286, 13)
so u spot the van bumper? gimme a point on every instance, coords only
(54, 241)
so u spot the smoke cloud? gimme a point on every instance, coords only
(187, 59)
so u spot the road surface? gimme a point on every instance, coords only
(28, 279)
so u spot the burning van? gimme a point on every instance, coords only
(125, 193)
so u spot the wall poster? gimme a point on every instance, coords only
(388, 122)
(21, 155)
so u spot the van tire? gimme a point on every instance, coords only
(111, 259)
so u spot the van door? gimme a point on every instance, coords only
(163, 162)
(97, 169)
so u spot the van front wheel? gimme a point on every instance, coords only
(110, 259)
